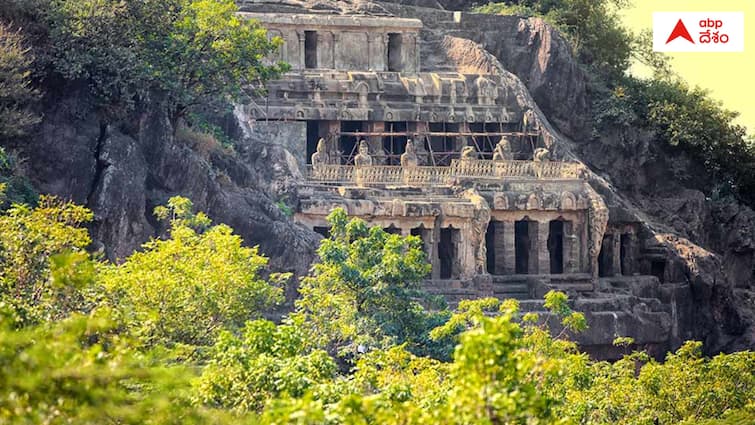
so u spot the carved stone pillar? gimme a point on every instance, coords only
(617, 254)
(433, 256)
(301, 35)
(509, 248)
(543, 255)
(571, 248)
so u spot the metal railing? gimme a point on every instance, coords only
(426, 175)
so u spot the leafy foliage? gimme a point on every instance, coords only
(190, 52)
(30, 239)
(81, 370)
(16, 91)
(593, 28)
(187, 288)
(123, 362)
(365, 290)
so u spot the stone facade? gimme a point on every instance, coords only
(459, 160)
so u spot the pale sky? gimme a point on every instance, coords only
(729, 76)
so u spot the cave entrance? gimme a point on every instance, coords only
(392, 229)
(605, 258)
(484, 143)
(323, 231)
(394, 146)
(525, 248)
(313, 135)
(658, 269)
(310, 49)
(425, 235)
(447, 252)
(444, 147)
(394, 52)
(556, 246)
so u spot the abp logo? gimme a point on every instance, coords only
(698, 31)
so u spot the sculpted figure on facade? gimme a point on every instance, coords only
(468, 153)
(409, 157)
(320, 157)
(363, 158)
(502, 151)
(487, 92)
(541, 155)
(529, 121)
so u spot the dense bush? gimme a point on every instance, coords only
(16, 91)
(118, 354)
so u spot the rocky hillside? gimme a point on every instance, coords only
(122, 170)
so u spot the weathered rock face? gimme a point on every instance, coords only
(123, 172)
(123, 175)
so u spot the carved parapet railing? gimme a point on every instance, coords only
(331, 173)
(426, 175)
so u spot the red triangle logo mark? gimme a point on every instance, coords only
(680, 31)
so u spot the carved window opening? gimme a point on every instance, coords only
(392, 229)
(310, 49)
(525, 247)
(425, 235)
(447, 253)
(394, 52)
(605, 258)
(556, 246)
(658, 269)
(313, 135)
(323, 231)
(624, 253)
(394, 146)
(494, 244)
(348, 144)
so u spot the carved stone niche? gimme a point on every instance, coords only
(568, 201)
(500, 201)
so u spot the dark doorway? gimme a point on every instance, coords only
(313, 135)
(658, 269)
(605, 258)
(624, 250)
(394, 52)
(556, 246)
(423, 234)
(447, 253)
(485, 144)
(323, 231)
(393, 230)
(310, 49)
(523, 244)
(444, 147)
(348, 145)
(394, 146)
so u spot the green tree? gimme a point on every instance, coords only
(365, 291)
(266, 362)
(189, 287)
(189, 52)
(30, 238)
(592, 26)
(81, 370)
(16, 91)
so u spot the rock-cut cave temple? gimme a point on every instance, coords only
(407, 143)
